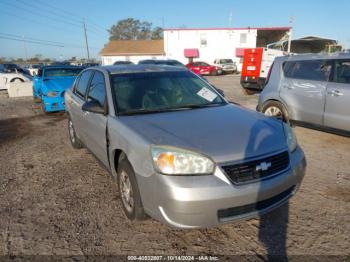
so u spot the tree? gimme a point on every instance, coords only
(33, 60)
(134, 29)
(157, 33)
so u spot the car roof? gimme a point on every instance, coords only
(320, 56)
(141, 68)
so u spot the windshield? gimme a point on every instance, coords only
(162, 91)
(226, 61)
(53, 72)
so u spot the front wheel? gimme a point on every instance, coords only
(275, 109)
(129, 191)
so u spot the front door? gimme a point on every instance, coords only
(303, 89)
(95, 124)
(337, 109)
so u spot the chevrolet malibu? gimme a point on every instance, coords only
(178, 150)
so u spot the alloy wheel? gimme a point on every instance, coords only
(274, 111)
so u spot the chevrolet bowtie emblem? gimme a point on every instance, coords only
(263, 166)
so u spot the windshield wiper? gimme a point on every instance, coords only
(163, 110)
(150, 111)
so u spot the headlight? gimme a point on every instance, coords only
(52, 93)
(290, 137)
(176, 161)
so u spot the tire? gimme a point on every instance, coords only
(249, 91)
(36, 99)
(42, 107)
(129, 192)
(76, 143)
(214, 73)
(275, 109)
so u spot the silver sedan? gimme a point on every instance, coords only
(178, 150)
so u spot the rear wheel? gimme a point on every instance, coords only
(76, 143)
(275, 109)
(129, 192)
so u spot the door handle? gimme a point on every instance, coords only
(335, 93)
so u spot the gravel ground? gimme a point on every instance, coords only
(57, 200)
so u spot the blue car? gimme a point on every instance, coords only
(51, 83)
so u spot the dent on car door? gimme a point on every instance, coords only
(303, 89)
(337, 109)
(95, 124)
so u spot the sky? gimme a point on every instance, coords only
(61, 21)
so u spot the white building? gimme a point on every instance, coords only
(208, 44)
(132, 50)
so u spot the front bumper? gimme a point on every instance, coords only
(206, 201)
(53, 104)
(229, 69)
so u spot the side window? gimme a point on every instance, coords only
(316, 70)
(97, 90)
(83, 83)
(243, 38)
(342, 71)
(75, 83)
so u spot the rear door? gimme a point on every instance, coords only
(94, 125)
(337, 109)
(303, 89)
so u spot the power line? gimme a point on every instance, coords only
(40, 6)
(48, 8)
(75, 24)
(30, 38)
(36, 21)
(36, 40)
(68, 12)
(28, 41)
(38, 13)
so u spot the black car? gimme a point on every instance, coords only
(13, 68)
(86, 65)
(123, 63)
(168, 62)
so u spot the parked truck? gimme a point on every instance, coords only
(256, 65)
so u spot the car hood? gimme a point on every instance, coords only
(225, 133)
(57, 83)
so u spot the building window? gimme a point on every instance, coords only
(243, 38)
(203, 40)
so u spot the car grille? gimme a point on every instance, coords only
(257, 169)
(255, 207)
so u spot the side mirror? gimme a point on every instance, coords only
(220, 91)
(93, 106)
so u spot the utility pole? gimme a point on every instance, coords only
(25, 49)
(291, 19)
(86, 42)
(230, 19)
